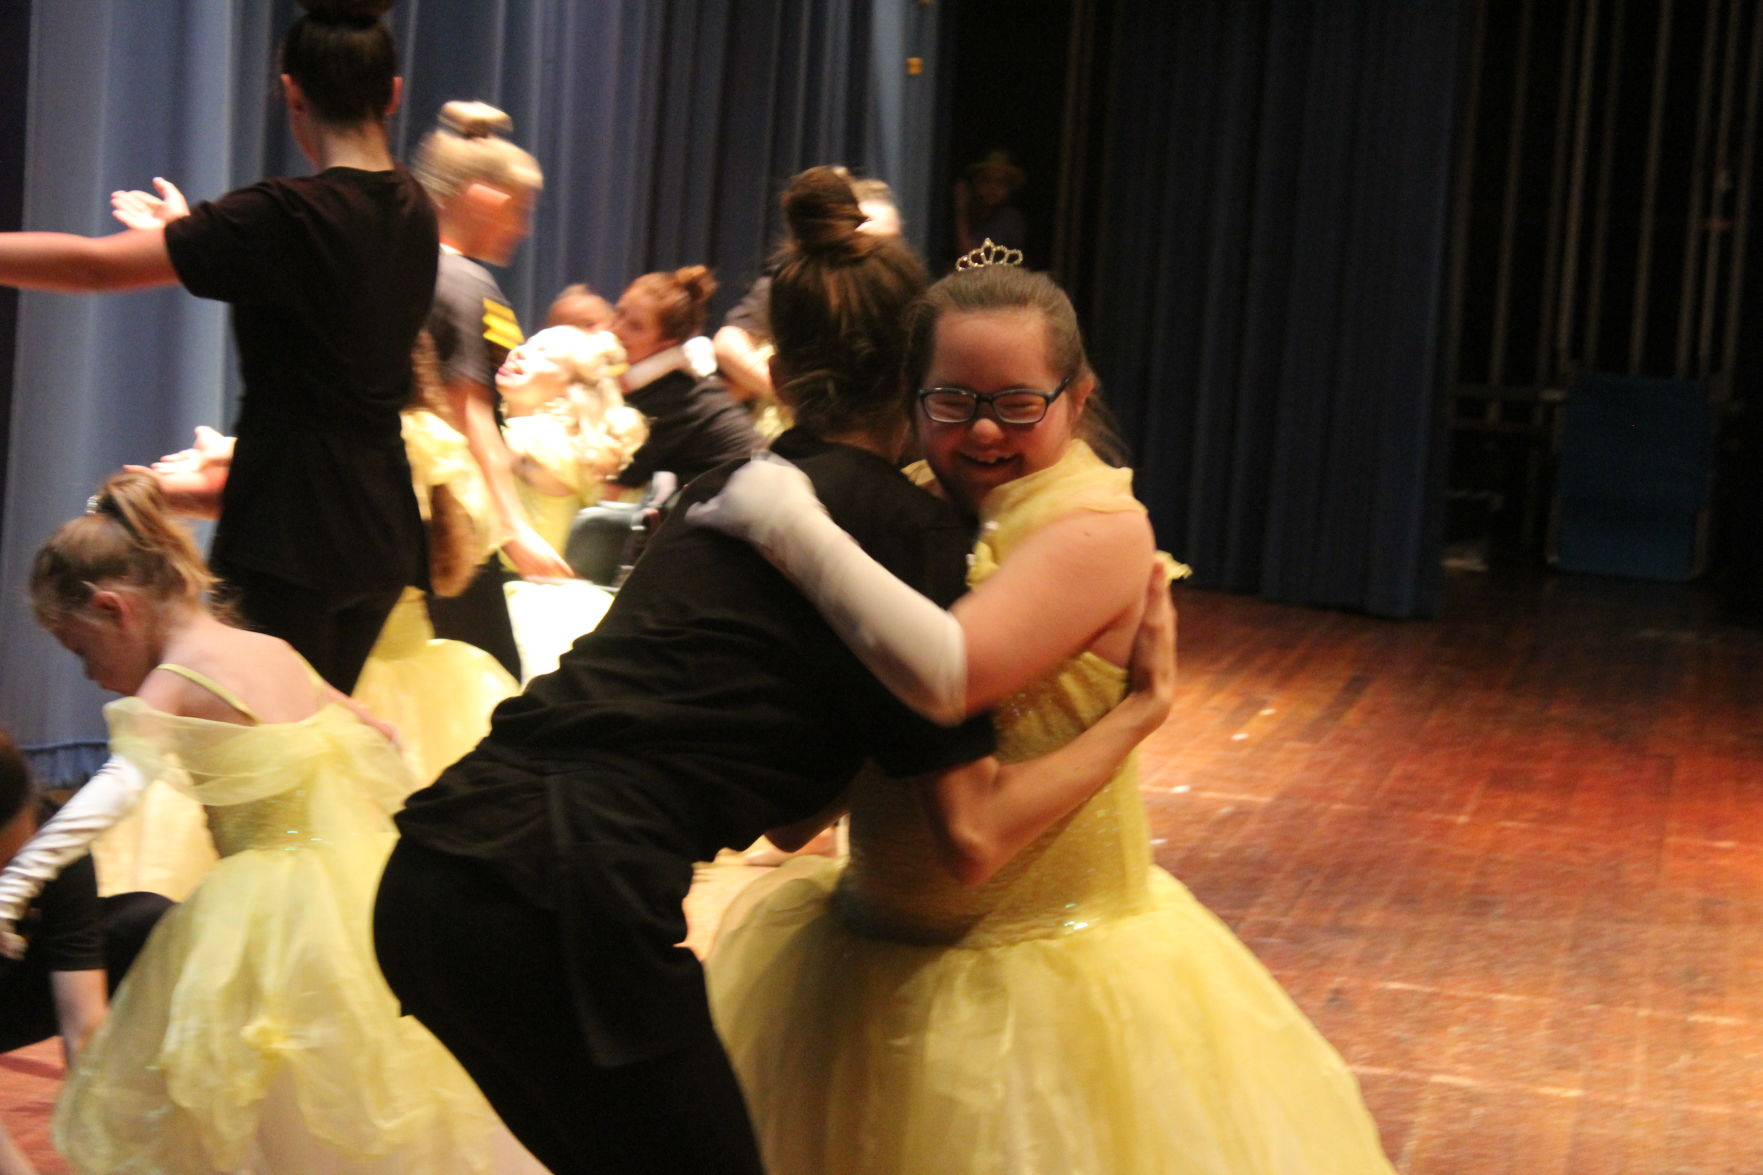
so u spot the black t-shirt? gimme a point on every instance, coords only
(471, 323)
(712, 702)
(694, 426)
(330, 277)
(62, 924)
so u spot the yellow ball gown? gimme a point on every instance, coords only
(254, 1031)
(549, 617)
(1078, 1014)
(436, 693)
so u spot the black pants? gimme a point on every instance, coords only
(334, 631)
(484, 970)
(27, 1006)
(479, 615)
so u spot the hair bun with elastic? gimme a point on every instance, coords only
(346, 11)
(474, 120)
(823, 213)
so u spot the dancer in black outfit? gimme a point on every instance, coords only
(330, 277)
(694, 424)
(531, 914)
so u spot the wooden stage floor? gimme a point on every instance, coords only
(1510, 862)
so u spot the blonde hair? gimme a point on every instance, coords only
(604, 432)
(128, 537)
(467, 148)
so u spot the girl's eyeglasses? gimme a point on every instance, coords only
(1010, 406)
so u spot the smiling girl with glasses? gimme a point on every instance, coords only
(1008, 984)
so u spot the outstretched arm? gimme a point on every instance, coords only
(106, 798)
(983, 813)
(1070, 582)
(135, 259)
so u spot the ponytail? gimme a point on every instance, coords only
(127, 537)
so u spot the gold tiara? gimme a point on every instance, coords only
(989, 254)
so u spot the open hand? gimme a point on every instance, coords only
(138, 209)
(192, 479)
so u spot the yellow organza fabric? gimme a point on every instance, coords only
(437, 693)
(262, 984)
(162, 846)
(440, 456)
(1078, 1014)
(545, 440)
(549, 616)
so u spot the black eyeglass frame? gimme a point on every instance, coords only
(978, 400)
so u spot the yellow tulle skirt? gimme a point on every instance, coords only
(257, 1001)
(437, 694)
(1149, 1044)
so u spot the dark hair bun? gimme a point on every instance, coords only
(823, 213)
(474, 120)
(346, 11)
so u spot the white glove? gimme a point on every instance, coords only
(916, 649)
(111, 793)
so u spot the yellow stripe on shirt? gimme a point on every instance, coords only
(500, 327)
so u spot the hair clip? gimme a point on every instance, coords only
(989, 254)
(94, 504)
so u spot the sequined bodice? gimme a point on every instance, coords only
(1090, 867)
(279, 821)
(279, 786)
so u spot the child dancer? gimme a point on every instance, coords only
(568, 425)
(531, 911)
(570, 432)
(255, 1030)
(1048, 1002)
(437, 693)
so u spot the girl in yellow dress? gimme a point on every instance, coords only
(568, 425)
(570, 432)
(254, 1032)
(977, 993)
(437, 693)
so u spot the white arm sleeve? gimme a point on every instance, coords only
(916, 649)
(111, 793)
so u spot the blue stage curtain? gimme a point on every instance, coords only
(666, 129)
(1269, 301)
